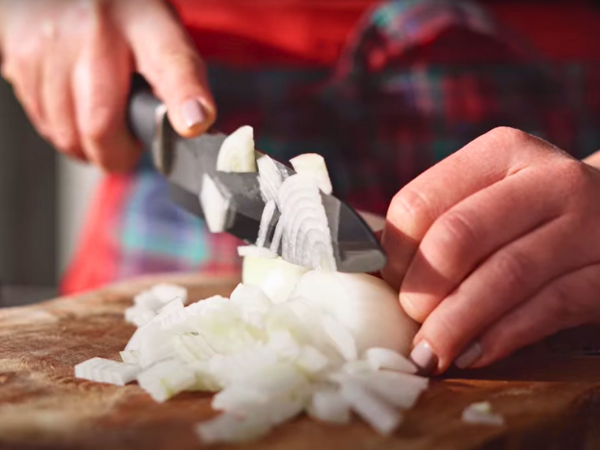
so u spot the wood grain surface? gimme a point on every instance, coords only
(550, 398)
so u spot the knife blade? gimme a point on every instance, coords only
(184, 162)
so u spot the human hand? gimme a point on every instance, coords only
(494, 248)
(71, 61)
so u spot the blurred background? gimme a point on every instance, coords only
(40, 218)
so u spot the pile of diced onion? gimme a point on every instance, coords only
(269, 362)
(290, 340)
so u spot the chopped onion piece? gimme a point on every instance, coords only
(340, 337)
(192, 347)
(481, 414)
(357, 367)
(166, 293)
(130, 357)
(139, 316)
(147, 300)
(374, 410)
(265, 222)
(106, 371)
(276, 277)
(238, 399)
(329, 406)
(283, 343)
(312, 360)
(231, 428)
(313, 165)
(257, 252)
(166, 379)
(276, 242)
(384, 358)
(269, 178)
(215, 205)
(399, 389)
(237, 152)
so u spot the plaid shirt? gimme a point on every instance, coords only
(381, 116)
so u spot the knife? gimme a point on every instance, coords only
(183, 162)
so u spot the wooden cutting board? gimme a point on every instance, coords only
(549, 399)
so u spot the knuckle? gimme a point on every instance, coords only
(173, 61)
(410, 205)
(66, 140)
(509, 134)
(98, 125)
(514, 268)
(411, 305)
(456, 229)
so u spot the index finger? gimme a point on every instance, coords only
(165, 55)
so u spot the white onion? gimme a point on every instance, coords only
(166, 379)
(481, 414)
(313, 165)
(269, 178)
(265, 222)
(257, 252)
(306, 238)
(237, 152)
(130, 357)
(366, 305)
(374, 410)
(329, 406)
(399, 389)
(384, 358)
(231, 428)
(275, 276)
(215, 205)
(106, 371)
(340, 337)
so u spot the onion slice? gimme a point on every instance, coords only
(329, 406)
(265, 222)
(269, 178)
(306, 235)
(384, 358)
(237, 152)
(313, 165)
(215, 204)
(374, 410)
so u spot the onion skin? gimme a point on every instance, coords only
(366, 305)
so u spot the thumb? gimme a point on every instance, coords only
(165, 55)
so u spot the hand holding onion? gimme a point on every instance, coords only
(494, 248)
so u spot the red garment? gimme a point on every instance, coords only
(312, 32)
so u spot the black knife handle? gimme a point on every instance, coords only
(142, 111)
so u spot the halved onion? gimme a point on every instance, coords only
(366, 305)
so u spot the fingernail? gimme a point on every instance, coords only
(423, 356)
(468, 355)
(192, 113)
